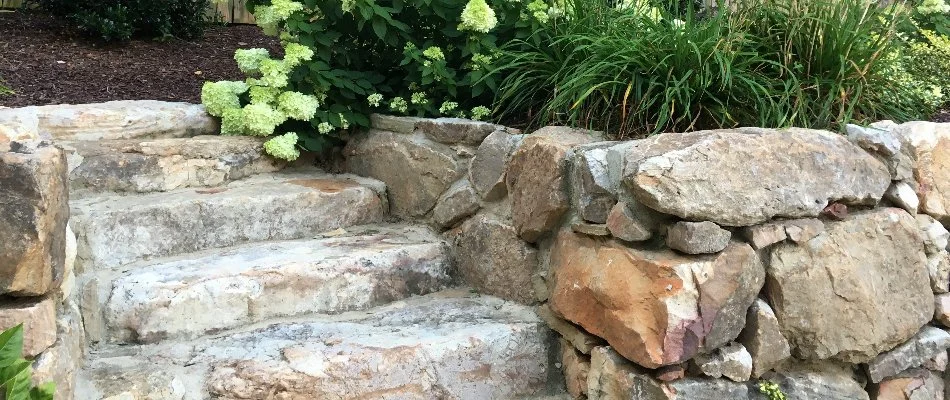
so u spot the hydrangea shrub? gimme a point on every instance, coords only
(345, 59)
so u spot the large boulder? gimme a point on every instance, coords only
(594, 191)
(537, 179)
(415, 169)
(33, 213)
(494, 260)
(742, 178)
(854, 291)
(655, 307)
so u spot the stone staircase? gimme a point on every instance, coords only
(206, 270)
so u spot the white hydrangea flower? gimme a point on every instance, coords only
(928, 7)
(220, 96)
(477, 16)
(374, 99)
(447, 107)
(249, 60)
(479, 113)
(283, 147)
(419, 98)
(343, 122)
(261, 119)
(297, 105)
(324, 128)
(399, 104)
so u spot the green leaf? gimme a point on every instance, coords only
(45, 391)
(11, 345)
(379, 26)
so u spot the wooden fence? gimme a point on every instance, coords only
(232, 11)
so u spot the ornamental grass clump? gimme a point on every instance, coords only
(346, 59)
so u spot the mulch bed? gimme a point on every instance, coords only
(44, 63)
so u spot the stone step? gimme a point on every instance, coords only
(125, 119)
(113, 230)
(211, 291)
(158, 165)
(448, 345)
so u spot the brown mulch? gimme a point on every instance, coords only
(44, 63)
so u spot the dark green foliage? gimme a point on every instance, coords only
(119, 20)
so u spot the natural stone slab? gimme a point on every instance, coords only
(115, 230)
(914, 384)
(764, 235)
(456, 130)
(138, 165)
(732, 361)
(580, 340)
(756, 183)
(205, 293)
(457, 203)
(456, 346)
(902, 194)
(33, 213)
(594, 191)
(488, 167)
(942, 309)
(61, 362)
(803, 230)
(927, 344)
(125, 119)
(494, 260)
(763, 339)
(819, 382)
(18, 125)
(934, 235)
(938, 362)
(38, 317)
(624, 224)
(393, 123)
(655, 307)
(415, 169)
(697, 237)
(938, 267)
(576, 367)
(830, 294)
(537, 179)
(929, 145)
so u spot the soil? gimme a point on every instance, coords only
(44, 62)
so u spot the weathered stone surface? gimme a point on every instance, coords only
(594, 191)
(415, 169)
(929, 146)
(902, 194)
(456, 130)
(537, 181)
(18, 125)
(934, 235)
(732, 361)
(580, 340)
(874, 140)
(590, 229)
(209, 292)
(942, 309)
(576, 367)
(915, 384)
(764, 235)
(125, 119)
(33, 213)
(445, 345)
(763, 339)
(488, 167)
(393, 123)
(624, 224)
(697, 237)
(69, 275)
(138, 165)
(854, 291)
(938, 267)
(62, 361)
(803, 230)
(654, 307)
(115, 230)
(819, 382)
(493, 260)
(757, 183)
(612, 377)
(938, 362)
(38, 317)
(457, 203)
(929, 342)
(671, 372)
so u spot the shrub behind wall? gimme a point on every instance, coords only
(123, 19)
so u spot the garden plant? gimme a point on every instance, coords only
(629, 67)
(16, 373)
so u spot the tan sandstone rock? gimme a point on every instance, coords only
(914, 384)
(763, 338)
(856, 290)
(929, 145)
(576, 367)
(494, 260)
(755, 181)
(537, 179)
(38, 317)
(33, 213)
(654, 307)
